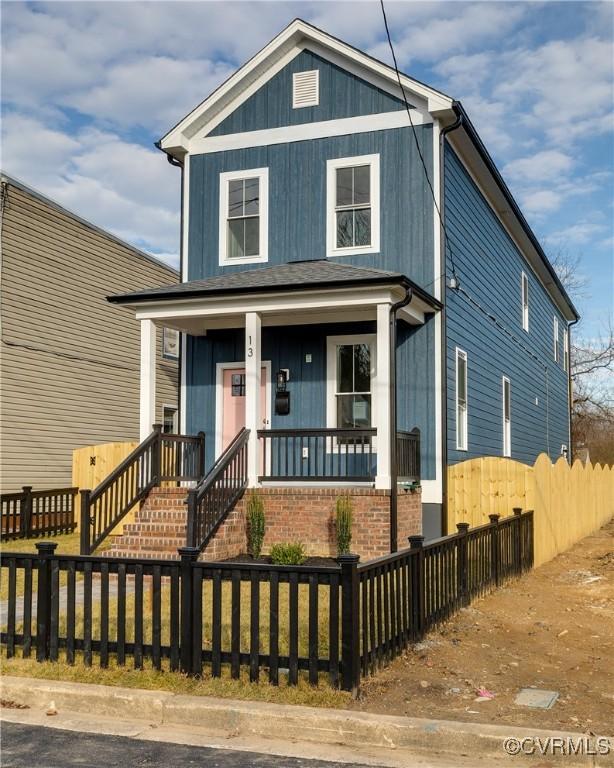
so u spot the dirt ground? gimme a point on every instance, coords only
(552, 629)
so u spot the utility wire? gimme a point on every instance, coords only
(447, 246)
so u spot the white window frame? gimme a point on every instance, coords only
(168, 355)
(332, 342)
(175, 409)
(331, 195)
(555, 333)
(461, 445)
(507, 423)
(566, 349)
(524, 300)
(262, 174)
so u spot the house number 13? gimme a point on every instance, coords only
(250, 349)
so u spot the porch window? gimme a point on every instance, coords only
(170, 344)
(243, 216)
(353, 391)
(353, 203)
(169, 424)
(507, 418)
(461, 400)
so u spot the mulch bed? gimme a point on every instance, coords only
(323, 562)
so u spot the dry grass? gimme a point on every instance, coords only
(175, 682)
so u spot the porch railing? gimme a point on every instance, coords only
(408, 455)
(218, 492)
(31, 513)
(318, 454)
(159, 458)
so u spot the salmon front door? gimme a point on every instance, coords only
(233, 402)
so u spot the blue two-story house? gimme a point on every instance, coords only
(360, 292)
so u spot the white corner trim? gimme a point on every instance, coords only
(346, 162)
(262, 174)
(183, 389)
(436, 491)
(383, 121)
(185, 228)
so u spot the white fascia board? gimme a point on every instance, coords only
(273, 57)
(326, 128)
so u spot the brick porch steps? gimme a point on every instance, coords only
(159, 527)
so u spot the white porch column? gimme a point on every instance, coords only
(381, 410)
(253, 369)
(148, 378)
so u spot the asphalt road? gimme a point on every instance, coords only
(26, 746)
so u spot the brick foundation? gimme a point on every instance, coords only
(291, 514)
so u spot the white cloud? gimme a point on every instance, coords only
(546, 165)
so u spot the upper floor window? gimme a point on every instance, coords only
(524, 290)
(557, 342)
(244, 216)
(507, 417)
(170, 343)
(566, 349)
(352, 199)
(461, 400)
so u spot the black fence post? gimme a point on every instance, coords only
(517, 540)
(188, 555)
(25, 513)
(416, 544)
(530, 540)
(43, 599)
(462, 564)
(201, 455)
(350, 628)
(495, 553)
(84, 531)
(156, 455)
(190, 540)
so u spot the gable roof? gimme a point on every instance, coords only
(297, 275)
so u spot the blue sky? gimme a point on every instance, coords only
(88, 87)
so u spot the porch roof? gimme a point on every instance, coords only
(295, 276)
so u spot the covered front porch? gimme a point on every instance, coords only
(303, 356)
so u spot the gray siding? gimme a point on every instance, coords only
(342, 94)
(297, 201)
(489, 268)
(70, 360)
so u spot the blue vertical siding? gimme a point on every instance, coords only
(342, 94)
(489, 267)
(297, 202)
(287, 348)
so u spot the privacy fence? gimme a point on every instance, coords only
(27, 513)
(569, 502)
(339, 622)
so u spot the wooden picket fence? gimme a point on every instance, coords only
(569, 502)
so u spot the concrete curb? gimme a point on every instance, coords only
(415, 736)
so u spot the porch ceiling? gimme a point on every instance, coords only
(288, 294)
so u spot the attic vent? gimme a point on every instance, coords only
(306, 89)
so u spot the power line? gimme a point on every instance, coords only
(447, 246)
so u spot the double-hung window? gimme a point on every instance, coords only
(352, 205)
(557, 345)
(507, 417)
(566, 349)
(524, 291)
(461, 400)
(170, 344)
(244, 216)
(351, 370)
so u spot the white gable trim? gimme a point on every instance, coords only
(324, 129)
(273, 57)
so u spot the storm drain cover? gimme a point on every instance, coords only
(534, 697)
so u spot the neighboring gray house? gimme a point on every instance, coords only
(70, 361)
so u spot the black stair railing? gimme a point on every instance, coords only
(160, 457)
(217, 493)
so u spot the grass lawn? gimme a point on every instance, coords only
(175, 682)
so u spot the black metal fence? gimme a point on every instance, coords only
(28, 514)
(341, 622)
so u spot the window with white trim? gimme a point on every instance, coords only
(170, 344)
(556, 340)
(351, 375)
(566, 349)
(461, 400)
(169, 419)
(244, 216)
(352, 200)
(507, 417)
(524, 293)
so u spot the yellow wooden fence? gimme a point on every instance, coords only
(92, 463)
(569, 502)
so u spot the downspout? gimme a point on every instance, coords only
(444, 326)
(394, 491)
(181, 362)
(569, 387)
